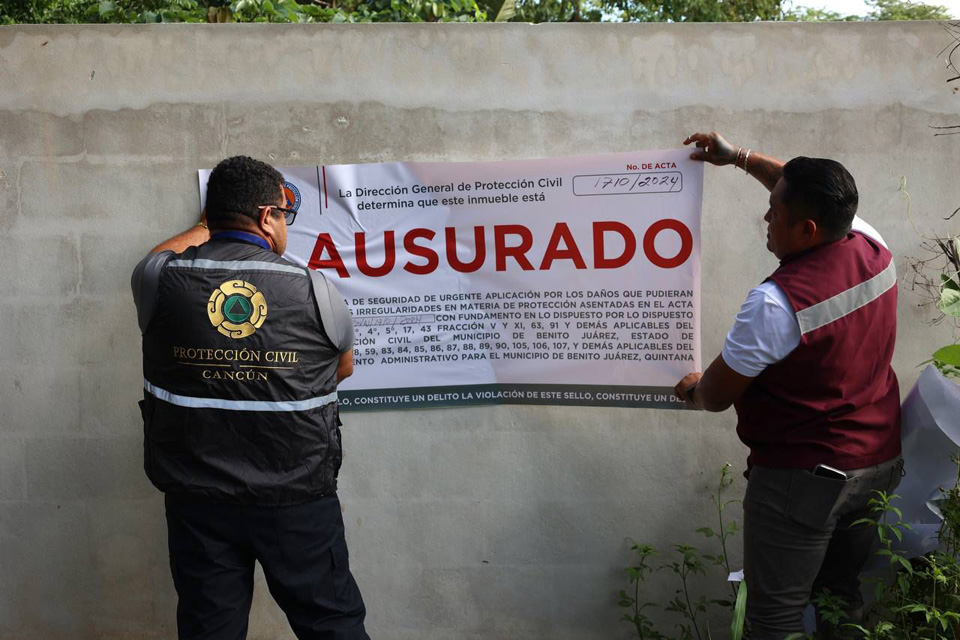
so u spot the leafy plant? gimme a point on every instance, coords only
(689, 564)
(215, 11)
(936, 278)
(686, 564)
(920, 597)
(637, 573)
(901, 10)
(831, 609)
(945, 293)
(724, 531)
(738, 624)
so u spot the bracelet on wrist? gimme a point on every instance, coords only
(745, 158)
(203, 224)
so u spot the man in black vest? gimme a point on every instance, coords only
(242, 353)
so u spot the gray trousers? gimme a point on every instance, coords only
(798, 540)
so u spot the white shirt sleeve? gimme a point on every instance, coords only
(766, 329)
(861, 225)
(334, 314)
(765, 332)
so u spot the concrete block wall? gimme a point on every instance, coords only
(495, 522)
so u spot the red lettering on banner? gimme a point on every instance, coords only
(686, 243)
(600, 260)
(421, 252)
(518, 253)
(561, 246)
(561, 232)
(479, 255)
(324, 241)
(389, 255)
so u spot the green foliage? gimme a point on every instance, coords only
(686, 564)
(949, 355)
(949, 506)
(947, 359)
(738, 624)
(694, 10)
(637, 573)
(949, 302)
(808, 14)
(285, 11)
(508, 10)
(946, 292)
(409, 11)
(724, 531)
(879, 10)
(906, 10)
(42, 12)
(920, 597)
(559, 11)
(689, 564)
(831, 614)
(148, 11)
(102, 11)
(831, 609)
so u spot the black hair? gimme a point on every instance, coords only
(825, 192)
(237, 186)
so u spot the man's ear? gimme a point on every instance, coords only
(264, 220)
(810, 228)
(267, 226)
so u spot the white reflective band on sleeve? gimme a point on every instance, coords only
(237, 405)
(845, 303)
(236, 265)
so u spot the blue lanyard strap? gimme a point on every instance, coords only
(252, 238)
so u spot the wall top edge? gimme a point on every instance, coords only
(68, 70)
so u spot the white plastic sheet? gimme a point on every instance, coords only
(931, 437)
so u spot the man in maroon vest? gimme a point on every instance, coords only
(807, 366)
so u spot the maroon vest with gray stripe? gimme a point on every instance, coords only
(240, 381)
(834, 400)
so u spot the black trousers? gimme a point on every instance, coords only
(798, 539)
(303, 554)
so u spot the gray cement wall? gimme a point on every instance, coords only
(498, 522)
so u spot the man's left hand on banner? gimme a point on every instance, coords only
(683, 389)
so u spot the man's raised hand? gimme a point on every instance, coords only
(712, 148)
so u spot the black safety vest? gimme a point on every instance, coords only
(240, 386)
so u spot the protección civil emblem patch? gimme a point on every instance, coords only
(237, 309)
(292, 196)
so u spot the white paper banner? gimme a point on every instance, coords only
(569, 280)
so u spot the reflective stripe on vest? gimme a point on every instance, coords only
(846, 302)
(238, 405)
(235, 265)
